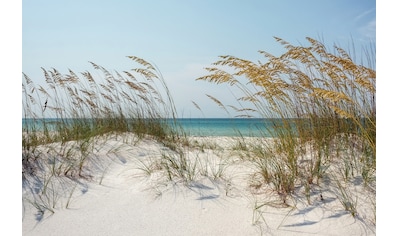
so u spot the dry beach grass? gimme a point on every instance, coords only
(112, 165)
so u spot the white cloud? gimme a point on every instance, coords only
(369, 30)
(364, 14)
(367, 24)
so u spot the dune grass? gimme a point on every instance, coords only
(321, 106)
(66, 123)
(66, 117)
(325, 105)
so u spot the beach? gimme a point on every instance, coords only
(123, 190)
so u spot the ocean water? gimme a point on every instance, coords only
(226, 126)
(196, 126)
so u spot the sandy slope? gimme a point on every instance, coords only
(129, 202)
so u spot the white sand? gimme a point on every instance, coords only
(128, 202)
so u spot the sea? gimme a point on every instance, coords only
(246, 127)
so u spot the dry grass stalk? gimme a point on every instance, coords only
(318, 96)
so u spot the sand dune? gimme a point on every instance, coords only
(116, 197)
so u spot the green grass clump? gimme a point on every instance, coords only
(64, 118)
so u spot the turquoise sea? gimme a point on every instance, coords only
(200, 126)
(226, 126)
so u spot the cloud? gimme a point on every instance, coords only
(364, 14)
(367, 24)
(369, 30)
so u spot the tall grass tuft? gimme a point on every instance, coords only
(64, 116)
(324, 103)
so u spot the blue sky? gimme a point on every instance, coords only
(182, 37)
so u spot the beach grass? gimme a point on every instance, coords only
(325, 105)
(84, 109)
(321, 105)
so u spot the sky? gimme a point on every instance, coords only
(182, 37)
